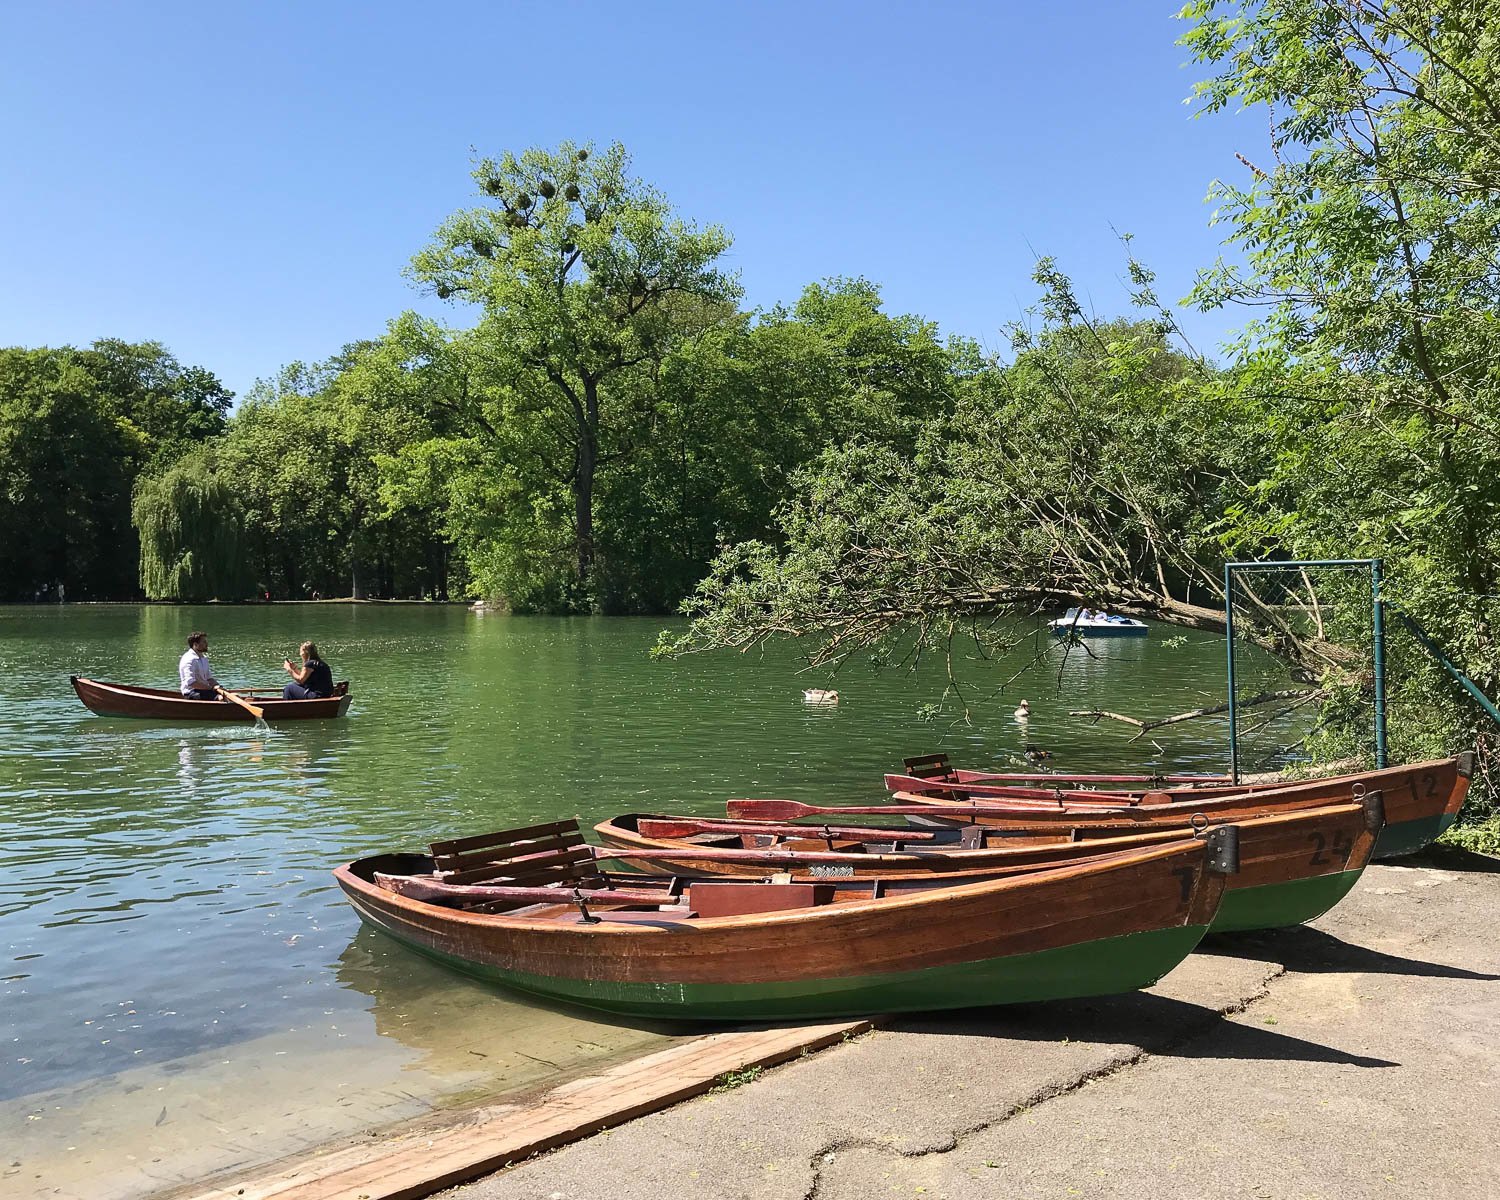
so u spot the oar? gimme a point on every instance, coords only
(258, 713)
(681, 827)
(790, 810)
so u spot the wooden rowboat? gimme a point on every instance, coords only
(531, 910)
(122, 700)
(1421, 801)
(1293, 867)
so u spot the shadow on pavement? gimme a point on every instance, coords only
(1448, 858)
(1313, 952)
(1158, 1025)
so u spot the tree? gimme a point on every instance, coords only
(739, 410)
(1370, 243)
(192, 535)
(65, 471)
(171, 406)
(586, 280)
(1093, 468)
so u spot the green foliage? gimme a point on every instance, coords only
(76, 427)
(1369, 240)
(314, 458)
(64, 480)
(587, 283)
(730, 1080)
(1094, 466)
(192, 534)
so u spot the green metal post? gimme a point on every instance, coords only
(1234, 742)
(1378, 608)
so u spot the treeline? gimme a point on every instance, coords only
(78, 428)
(1358, 415)
(609, 424)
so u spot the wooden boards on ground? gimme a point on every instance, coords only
(417, 1162)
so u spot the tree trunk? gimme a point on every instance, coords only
(583, 485)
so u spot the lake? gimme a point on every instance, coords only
(184, 988)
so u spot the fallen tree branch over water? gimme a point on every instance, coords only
(1144, 727)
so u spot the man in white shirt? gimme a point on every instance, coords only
(193, 670)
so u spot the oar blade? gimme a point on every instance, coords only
(769, 810)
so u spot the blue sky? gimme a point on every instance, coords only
(245, 183)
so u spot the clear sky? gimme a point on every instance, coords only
(246, 182)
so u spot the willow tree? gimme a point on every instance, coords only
(586, 279)
(192, 535)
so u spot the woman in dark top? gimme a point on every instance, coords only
(313, 679)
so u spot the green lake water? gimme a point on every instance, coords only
(183, 989)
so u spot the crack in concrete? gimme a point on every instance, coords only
(826, 1153)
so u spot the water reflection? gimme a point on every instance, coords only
(449, 1020)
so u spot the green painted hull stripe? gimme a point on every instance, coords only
(1407, 837)
(1274, 905)
(1094, 968)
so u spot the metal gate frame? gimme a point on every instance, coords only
(1377, 624)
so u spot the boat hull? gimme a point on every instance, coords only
(1101, 631)
(1107, 925)
(122, 700)
(1102, 967)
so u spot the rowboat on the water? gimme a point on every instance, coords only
(122, 700)
(1421, 801)
(1293, 867)
(532, 909)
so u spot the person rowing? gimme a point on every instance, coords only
(194, 673)
(312, 680)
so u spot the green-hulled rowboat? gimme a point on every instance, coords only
(734, 949)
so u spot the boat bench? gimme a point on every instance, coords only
(536, 856)
(929, 766)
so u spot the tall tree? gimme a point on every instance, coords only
(585, 277)
(1371, 244)
(65, 473)
(191, 530)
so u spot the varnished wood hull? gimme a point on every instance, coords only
(1421, 801)
(122, 700)
(1110, 924)
(1294, 866)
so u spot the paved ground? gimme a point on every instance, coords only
(1357, 1058)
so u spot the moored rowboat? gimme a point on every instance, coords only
(540, 917)
(122, 700)
(1421, 801)
(1293, 866)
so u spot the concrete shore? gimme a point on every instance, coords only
(1358, 1057)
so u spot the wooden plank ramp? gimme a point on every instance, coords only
(478, 1141)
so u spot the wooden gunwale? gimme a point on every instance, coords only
(125, 700)
(1419, 792)
(1279, 855)
(1093, 900)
